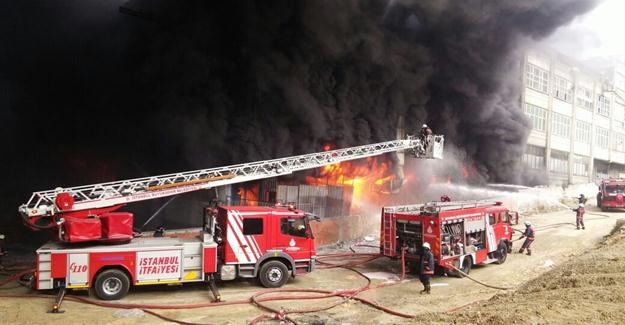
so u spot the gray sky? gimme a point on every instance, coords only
(598, 33)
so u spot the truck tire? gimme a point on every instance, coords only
(502, 253)
(466, 265)
(111, 285)
(273, 274)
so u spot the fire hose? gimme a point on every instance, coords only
(479, 282)
(353, 259)
(257, 299)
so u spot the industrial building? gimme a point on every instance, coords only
(577, 110)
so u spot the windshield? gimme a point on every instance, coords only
(615, 189)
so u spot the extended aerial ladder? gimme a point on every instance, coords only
(96, 199)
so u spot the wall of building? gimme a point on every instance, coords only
(578, 117)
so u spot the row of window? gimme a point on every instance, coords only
(538, 79)
(534, 157)
(561, 126)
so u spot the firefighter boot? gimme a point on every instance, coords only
(521, 251)
(427, 288)
(529, 252)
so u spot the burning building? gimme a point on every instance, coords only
(218, 83)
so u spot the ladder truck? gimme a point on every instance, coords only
(267, 243)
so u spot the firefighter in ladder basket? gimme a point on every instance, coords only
(426, 268)
(529, 238)
(426, 136)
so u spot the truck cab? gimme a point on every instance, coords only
(271, 243)
(611, 194)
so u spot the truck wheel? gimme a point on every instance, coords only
(466, 265)
(111, 285)
(502, 253)
(273, 274)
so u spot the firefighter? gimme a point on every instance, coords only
(426, 268)
(579, 216)
(529, 238)
(457, 247)
(425, 135)
(159, 231)
(2, 251)
(445, 198)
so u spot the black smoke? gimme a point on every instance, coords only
(93, 93)
(242, 81)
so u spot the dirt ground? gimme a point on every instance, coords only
(574, 276)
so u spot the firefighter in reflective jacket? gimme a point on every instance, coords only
(426, 268)
(579, 216)
(529, 238)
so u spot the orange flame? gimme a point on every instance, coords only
(367, 178)
(249, 196)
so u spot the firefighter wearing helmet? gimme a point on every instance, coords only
(529, 238)
(426, 135)
(579, 216)
(426, 268)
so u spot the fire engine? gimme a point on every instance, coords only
(611, 193)
(95, 246)
(461, 234)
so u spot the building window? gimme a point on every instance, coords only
(580, 166)
(602, 137)
(537, 115)
(603, 105)
(537, 78)
(618, 141)
(560, 125)
(618, 125)
(584, 98)
(601, 174)
(582, 132)
(562, 89)
(559, 165)
(534, 157)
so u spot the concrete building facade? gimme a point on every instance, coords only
(577, 115)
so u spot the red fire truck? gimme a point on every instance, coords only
(611, 193)
(268, 243)
(460, 234)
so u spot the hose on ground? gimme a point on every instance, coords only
(479, 282)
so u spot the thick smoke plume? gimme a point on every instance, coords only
(250, 80)
(91, 92)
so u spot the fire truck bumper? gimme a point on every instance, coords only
(609, 204)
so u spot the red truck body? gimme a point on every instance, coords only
(460, 234)
(611, 193)
(270, 243)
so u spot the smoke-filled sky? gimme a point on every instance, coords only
(89, 94)
(598, 33)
